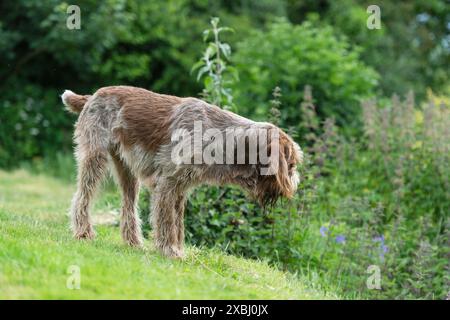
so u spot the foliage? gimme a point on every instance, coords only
(292, 56)
(29, 128)
(213, 64)
(410, 51)
(410, 149)
(380, 196)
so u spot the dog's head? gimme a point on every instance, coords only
(284, 180)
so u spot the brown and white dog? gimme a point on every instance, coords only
(136, 130)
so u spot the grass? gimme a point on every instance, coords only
(37, 252)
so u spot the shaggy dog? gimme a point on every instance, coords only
(139, 131)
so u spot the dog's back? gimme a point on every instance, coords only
(124, 114)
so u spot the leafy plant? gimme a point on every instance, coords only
(292, 56)
(213, 67)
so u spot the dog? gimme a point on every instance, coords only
(134, 129)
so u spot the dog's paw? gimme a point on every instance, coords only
(134, 242)
(88, 234)
(177, 254)
(172, 252)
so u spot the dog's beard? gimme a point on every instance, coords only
(295, 180)
(269, 190)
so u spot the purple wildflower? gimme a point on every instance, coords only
(383, 248)
(340, 239)
(323, 231)
(378, 239)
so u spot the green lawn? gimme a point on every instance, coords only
(37, 250)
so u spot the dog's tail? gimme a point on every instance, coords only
(74, 102)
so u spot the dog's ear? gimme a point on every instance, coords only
(284, 163)
(277, 180)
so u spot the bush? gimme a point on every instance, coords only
(409, 156)
(292, 56)
(382, 201)
(33, 124)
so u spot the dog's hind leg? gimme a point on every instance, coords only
(130, 224)
(91, 169)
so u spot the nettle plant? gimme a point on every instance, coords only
(214, 69)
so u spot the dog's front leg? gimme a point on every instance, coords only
(165, 219)
(179, 220)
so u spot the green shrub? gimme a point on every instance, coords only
(292, 56)
(409, 155)
(387, 194)
(33, 124)
(213, 67)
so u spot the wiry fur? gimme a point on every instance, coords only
(133, 127)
